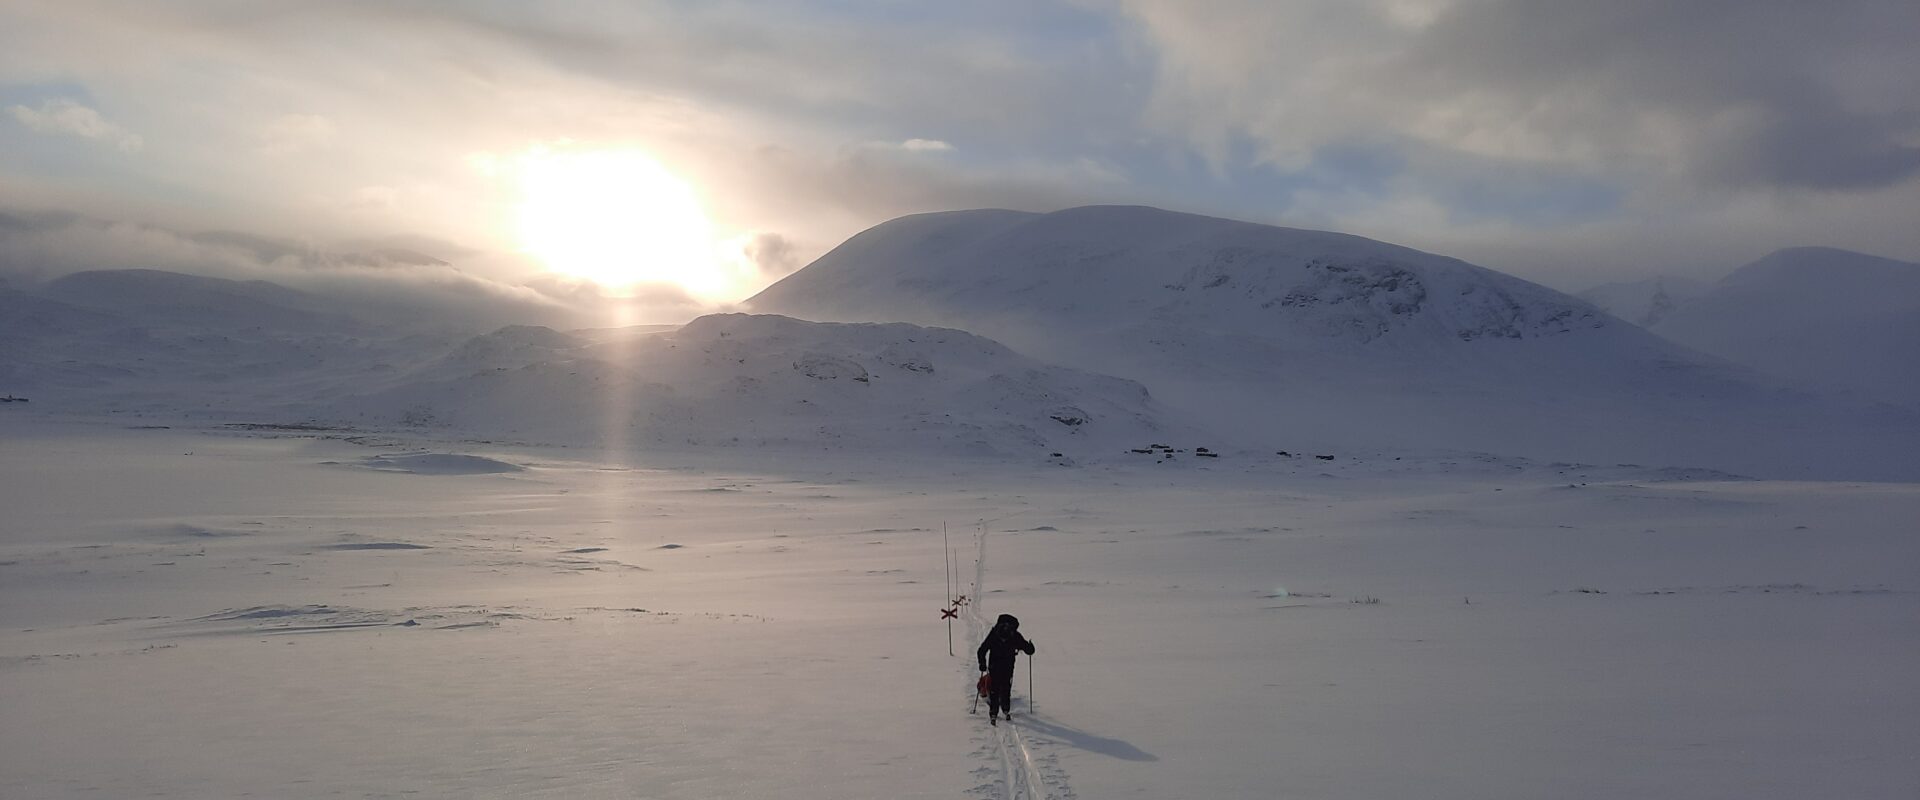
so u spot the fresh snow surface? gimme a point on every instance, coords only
(232, 612)
(1271, 335)
(1817, 315)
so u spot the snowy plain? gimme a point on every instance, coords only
(223, 612)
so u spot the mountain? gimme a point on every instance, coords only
(1106, 268)
(1816, 315)
(157, 297)
(742, 380)
(167, 343)
(1645, 302)
(148, 340)
(1278, 336)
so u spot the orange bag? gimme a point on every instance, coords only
(984, 690)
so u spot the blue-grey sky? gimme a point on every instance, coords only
(1566, 141)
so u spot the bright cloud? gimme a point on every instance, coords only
(290, 134)
(72, 119)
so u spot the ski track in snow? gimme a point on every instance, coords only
(1020, 778)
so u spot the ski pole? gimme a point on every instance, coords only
(1030, 704)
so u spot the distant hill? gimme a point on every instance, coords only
(734, 380)
(1278, 336)
(159, 297)
(149, 340)
(1819, 316)
(1121, 325)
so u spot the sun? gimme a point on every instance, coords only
(619, 219)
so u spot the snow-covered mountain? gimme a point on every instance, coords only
(1279, 335)
(1106, 268)
(1820, 316)
(740, 380)
(1265, 338)
(139, 340)
(150, 341)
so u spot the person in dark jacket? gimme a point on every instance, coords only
(1003, 643)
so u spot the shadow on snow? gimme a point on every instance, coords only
(1086, 741)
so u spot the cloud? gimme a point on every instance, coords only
(292, 134)
(912, 146)
(1729, 94)
(1525, 134)
(388, 283)
(72, 119)
(773, 255)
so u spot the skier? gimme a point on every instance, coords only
(1003, 643)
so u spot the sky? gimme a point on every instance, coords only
(512, 148)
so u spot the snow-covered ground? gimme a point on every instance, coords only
(227, 612)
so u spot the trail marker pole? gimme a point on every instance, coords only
(946, 553)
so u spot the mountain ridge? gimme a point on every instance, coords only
(1285, 335)
(1816, 315)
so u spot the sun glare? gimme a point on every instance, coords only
(620, 219)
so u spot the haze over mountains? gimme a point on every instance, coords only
(1083, 332)
(1816, 315)
(1644, 302)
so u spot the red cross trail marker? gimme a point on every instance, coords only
(949, 614)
